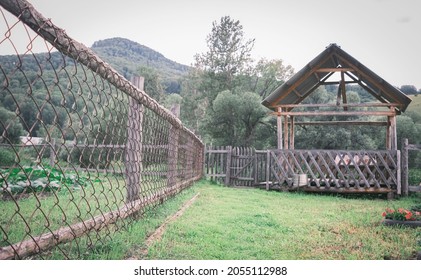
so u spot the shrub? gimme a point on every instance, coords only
(7, 158)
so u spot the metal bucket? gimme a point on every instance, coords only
(300, 180)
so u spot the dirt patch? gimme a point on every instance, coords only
(157, 235)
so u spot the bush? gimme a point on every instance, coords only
(7, 158)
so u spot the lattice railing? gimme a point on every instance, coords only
(82, 150)
(353, 171)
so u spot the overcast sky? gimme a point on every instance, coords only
(384, 35)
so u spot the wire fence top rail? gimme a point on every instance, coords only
(83, 150)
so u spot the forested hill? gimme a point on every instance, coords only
(127, 57)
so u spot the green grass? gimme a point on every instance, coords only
(415, 105)
(227, 223)
(33, 215)
(239, 223)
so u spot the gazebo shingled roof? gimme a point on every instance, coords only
(316, 72)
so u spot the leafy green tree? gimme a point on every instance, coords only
(268, 75)
(152, 84)
(10, 127)
(228, 55)
(409, 89)
(235, 119)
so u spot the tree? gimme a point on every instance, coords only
(229, 53)
(408, 89)
(10, 127)
(235, 119)
(269, 74)
(152, 84)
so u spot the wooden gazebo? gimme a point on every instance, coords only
(316, 73)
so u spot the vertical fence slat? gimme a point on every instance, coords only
(405, 167)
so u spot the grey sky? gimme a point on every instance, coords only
(385, 35)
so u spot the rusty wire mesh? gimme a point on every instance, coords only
(82, 150)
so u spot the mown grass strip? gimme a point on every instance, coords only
(227, 223)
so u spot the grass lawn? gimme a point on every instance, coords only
(246, 223)
(231, 223)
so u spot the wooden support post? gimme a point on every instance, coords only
(292, 134)
(133, 155)
(172, 172)
(393, 131)
(398, 172)
(391, 134)
(286, 139)
(405, 168)
(343, 90)
(255, 167)
(228, 166)
(267, 169)
(279, 127)
(52, 152)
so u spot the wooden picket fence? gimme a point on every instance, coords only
(322, 170)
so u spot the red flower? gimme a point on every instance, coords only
(389, 210)
(384, 214)
(408, 215)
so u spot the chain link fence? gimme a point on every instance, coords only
(83, 151)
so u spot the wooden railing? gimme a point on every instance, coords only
(325, 170)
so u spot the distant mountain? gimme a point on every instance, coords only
(127, 57)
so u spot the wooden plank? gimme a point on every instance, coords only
(414, 147)
(325, 70)
(414, 188)
(133, 151)
(292, 134)
(279, 129)
(368, 123)
(369, 190)
(343, 91)
(398, 172)
(267, 169)
(228, 166)
(286, 139)
(357, 105)
(405, 167)
(337, 113)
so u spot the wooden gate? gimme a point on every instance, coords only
(242, 167)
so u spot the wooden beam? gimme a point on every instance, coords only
(343, 91)
(371, 104)
(286, 139)
(372, 92)
(368, 123)
(337, 113)
(334, 70)
(292, 134)
(367, 77)
(338, 82)
(302, 79)
(279, 129)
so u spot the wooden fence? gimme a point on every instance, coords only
(321, 170)
(406, 186)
